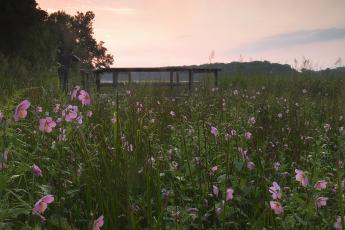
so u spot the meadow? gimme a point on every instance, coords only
(258, 152)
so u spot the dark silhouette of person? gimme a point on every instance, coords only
(65, 58)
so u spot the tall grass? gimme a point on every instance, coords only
(146, 157)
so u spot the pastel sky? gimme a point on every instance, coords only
(182, 32)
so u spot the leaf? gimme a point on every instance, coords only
(3, 182)
(221, 178)
(238, 165)
(15, 212)
(59, 222)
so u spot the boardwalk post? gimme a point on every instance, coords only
(82, 73)
(98, 82)
(216, 78)
(177, 78)
(87, 86)
(129, 77)
(115, 79)
(171, 79)
(190, 79)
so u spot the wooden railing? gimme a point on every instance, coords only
(190, 70)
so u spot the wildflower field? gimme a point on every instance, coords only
(258, 152)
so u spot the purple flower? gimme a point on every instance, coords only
(84, 97)
(250, 165)
(75, 92)
(301, 177)
(337, 224)
(277, 207)
(42, 204)
(321, 201)
(275, 191)
(21, 110)
(229, 194)
(97, 224)
(248, 135)
(252, 121)
(39, 109)
(214, 131)
(36, 170)
(321, 184)
(215, 190)
(46, 125)
(80, 119)
(89, 113)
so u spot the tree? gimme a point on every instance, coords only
(24, 32)
(30, 34)
(76, 33)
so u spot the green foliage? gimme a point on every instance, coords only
(30, 38)
(76, 33)
(142, 167)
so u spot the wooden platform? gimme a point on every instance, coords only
(172, 70)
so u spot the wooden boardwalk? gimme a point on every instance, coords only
(172, 70)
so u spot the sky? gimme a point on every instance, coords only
(182, 32)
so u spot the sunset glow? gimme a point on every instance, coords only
(180, 32)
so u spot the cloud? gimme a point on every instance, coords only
(119, 10)
(293, 39)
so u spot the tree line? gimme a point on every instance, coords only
(33, 35)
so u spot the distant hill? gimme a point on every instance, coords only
(336, 71)
(254, 67)
(233, 68)
(266, 68)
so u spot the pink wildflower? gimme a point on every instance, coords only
(56, 108)
(58, 120)
(84, 97)
(42, 204)
(321, 184)
(72, 113)
(172, 113)
(277, 207)
(75, 92)
(243, 153)
(47, 124)
(36, 170)
(275, 191)
(250, 165)
(321, 201)
(214, 131)
(252, 121)
(248, 135)
(39, 109)
(1, 116)
(276, 166)
(89, 113)
(97, 224)
(300, 177)
(229, 194)
(214, 169)
(215, 190)
(327, 127)
(21, 110)
(80, 120)
(62, 135)
(230, 135)
(337, 224)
